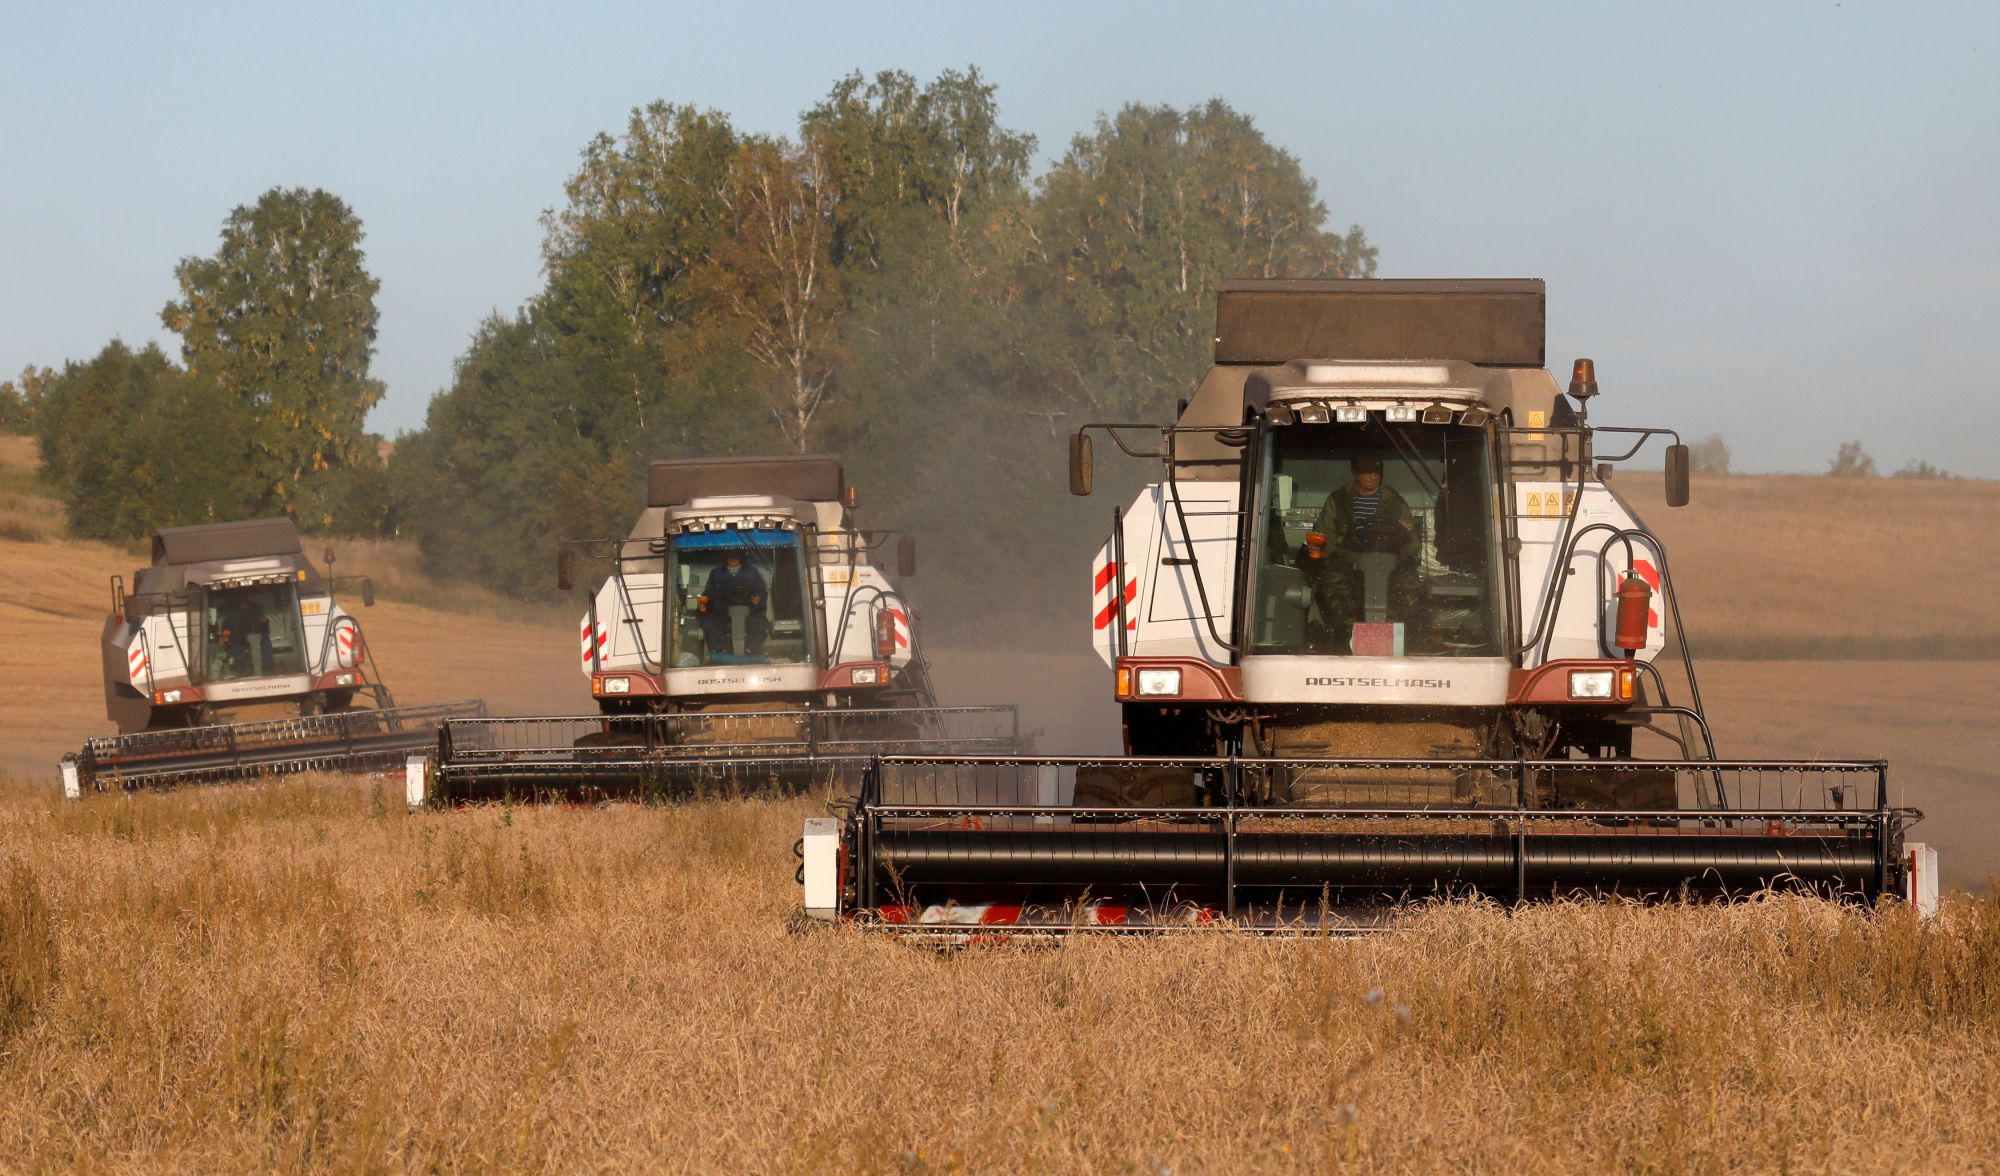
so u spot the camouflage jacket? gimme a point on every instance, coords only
(1393, 529)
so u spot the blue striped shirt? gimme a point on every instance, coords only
(1365, 506)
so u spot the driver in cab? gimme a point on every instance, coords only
(1360, 518)
(734, 583)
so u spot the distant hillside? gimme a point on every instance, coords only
(1800, 566)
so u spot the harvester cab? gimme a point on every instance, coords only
(231, 617)
(744, 637)
(1382, 629)
(747, 580)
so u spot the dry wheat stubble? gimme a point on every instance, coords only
(303, 975)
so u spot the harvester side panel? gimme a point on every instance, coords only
(1163, 604)
(1589, 601)
(629, 622)
(854, 593)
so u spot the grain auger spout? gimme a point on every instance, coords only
(1381, 631)
(746, 638)
(229, 658)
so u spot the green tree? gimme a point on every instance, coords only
(504, 466)
(772, 280)
(21, 399)
(282, 319)
(1141, 220)
(656, 369)
(903, 158)
(130, 440)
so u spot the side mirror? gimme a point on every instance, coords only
(906, 556)
(1677, 475)
(367, 592)
(1079, 464)
(566, 569)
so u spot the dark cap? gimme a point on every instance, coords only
(1366, 463)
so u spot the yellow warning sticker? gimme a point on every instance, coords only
(1548, 504)
(1537, 420)
(312, 608)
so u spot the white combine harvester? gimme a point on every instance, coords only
(229, 618)
(743, 637)
(1331, 705)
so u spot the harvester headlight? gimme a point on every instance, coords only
(1159, 683)
(1278, 414)
(1350, 414)
(1437, 414)
(1473, 417)
(615, 685)
(867, 676)
(1313, 414)
(1592, 683)
(166, 696)
(343, 679)
(1400, 413)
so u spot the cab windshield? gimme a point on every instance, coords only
(734, 597)
(251, 632)
(1375, 540)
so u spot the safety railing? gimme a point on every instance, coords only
(1241, 830)
(342, 741)
(477, 757)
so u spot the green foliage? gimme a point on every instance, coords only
(1851, 462)
(505, 464)
(1142, 219)
(282, 320)
(115, 440)
(886, 285)
(21, 400)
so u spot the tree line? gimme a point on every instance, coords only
(262, 413)
(889, 282)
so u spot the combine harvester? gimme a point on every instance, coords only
(1382, 631)
(232, 616)
(742, 640)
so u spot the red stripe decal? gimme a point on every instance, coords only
(1105, 614)
(1104, 575)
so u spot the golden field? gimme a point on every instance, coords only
(304, 975)
(1797, 566)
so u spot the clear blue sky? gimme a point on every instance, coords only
(1773, 221)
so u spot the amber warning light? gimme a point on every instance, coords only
(1583, 380)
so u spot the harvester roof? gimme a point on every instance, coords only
(1491, 322)
(243, 539)
(807, 478)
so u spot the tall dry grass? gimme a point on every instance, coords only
(304, 975)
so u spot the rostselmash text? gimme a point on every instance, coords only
(1385, 683)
